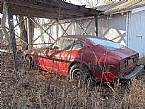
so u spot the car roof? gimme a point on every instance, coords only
(75, 36)
(84, 37)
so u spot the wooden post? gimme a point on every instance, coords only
(12, 37)
(57, 29)
(23, 33)
(96, 24)
(30, 30)
(4, 20)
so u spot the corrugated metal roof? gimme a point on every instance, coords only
(123, 6)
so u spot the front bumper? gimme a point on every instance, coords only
(137, 71)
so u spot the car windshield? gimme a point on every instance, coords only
(106, 43)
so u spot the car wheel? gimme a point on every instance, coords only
(80, 73)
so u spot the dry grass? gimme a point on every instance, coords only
(33, 91)
(136, 98)
(36, 91)
(142, 60)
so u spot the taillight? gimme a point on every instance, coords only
(123, 64)
(136, 58)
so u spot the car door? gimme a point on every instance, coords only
(51, 56)
(46, 59)
(57, 55)
(71, 49)
(62, 56)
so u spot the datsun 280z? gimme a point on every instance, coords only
(82, 57)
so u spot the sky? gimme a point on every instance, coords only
(83, 2)
(92, 2)
(74, 2)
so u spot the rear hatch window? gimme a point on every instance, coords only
(106, 43)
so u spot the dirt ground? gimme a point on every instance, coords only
(34, 90)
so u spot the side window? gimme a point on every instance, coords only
(78, 44)
(58, 44)
(63, 44)
(67, 44)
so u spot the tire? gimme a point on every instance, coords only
(80, 73)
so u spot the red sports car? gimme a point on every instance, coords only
(81, 57)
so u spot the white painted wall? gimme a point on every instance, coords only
(113, 28)
(136, 32)
(127, 29)
(124, 29)
(75, 28)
